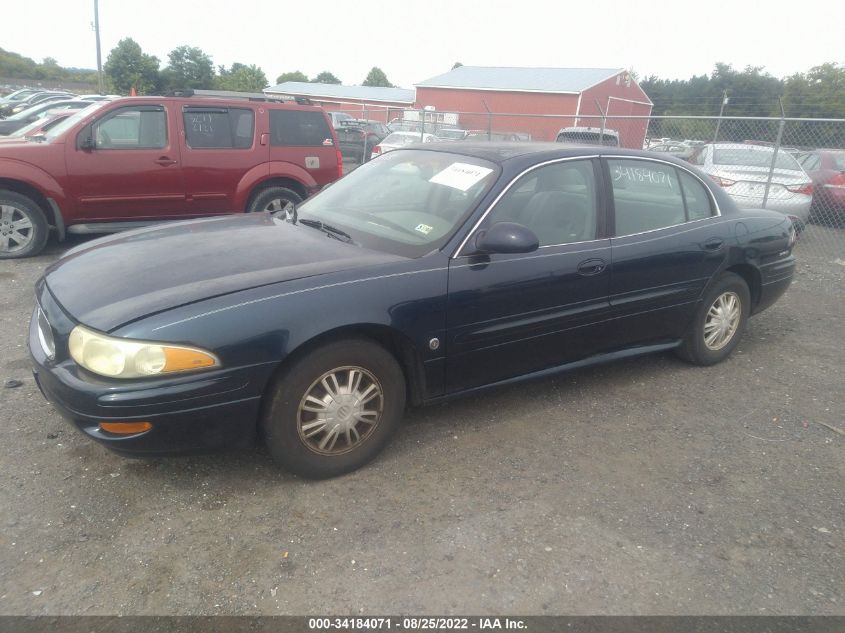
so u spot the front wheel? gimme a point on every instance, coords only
(23, 227)
(719, 322)
(335, 409)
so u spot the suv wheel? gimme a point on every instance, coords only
(23, 227)
(276, 200)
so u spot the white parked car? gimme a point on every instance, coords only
(400, 139)
(742, 170)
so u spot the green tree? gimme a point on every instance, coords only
(242, 78)
(456, 65)
(188, 67)
(296, 75)
(127, 66)
(325, 77)
(376, 77)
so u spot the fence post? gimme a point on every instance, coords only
(489, 121)
(603, 121)
(775, 153)
(721, 111)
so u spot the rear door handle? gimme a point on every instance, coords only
(591, 267)
(714, 244)
(165, 161)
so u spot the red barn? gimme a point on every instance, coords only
(570, 94)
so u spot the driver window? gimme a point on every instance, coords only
(132, 128)
(557, 202)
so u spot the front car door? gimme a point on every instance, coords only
(513, 314)
(667, 244)
(126, 166)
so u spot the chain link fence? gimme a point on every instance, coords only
(792, 165)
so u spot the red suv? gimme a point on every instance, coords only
(129, 162)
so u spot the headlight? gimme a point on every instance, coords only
(124, 358)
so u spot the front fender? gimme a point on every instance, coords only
(33, 176)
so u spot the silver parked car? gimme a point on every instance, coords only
(743, 171)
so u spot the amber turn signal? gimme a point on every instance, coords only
(125, 428)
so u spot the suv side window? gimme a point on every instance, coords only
(557, 202)
(646, 196)
(133, 127)
(218, 128)
(299, 127)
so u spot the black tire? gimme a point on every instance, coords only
(695, 349)
(16, 209)
(273, 199)
(284, 424)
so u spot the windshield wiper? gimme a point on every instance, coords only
(328, 229)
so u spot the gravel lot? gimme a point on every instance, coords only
(645, 487)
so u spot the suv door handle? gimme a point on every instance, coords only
(591, 267)
(165, 161)
(713, 244)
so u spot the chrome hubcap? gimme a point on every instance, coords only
(340, 410)
(15, 229)
(279, 207)
(722, 321)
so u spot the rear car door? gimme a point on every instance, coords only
(513, 314)
(126, 165)
(303, 138)
(220, 147)
(667, 244)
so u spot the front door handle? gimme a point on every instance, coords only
(165, 161)
(591, 267)
(713, 244)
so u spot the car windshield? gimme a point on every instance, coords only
(35, 125)
(451, 134)
(406, 202)
(73, 120)
(747, 157)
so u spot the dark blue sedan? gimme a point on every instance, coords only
(424, 274)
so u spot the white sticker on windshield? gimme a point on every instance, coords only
(460, 176)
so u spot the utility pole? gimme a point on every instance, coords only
(100, 86)
(721, 110)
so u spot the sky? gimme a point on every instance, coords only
(415, 40)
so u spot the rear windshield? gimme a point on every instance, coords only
(758, 157)
(588, 138)
(839, 161)
(299, 127)
(401, 139)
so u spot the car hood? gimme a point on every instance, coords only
(117, 279)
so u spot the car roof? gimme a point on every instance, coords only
(501, 152)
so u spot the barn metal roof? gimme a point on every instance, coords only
(340, 92)
(560, 80)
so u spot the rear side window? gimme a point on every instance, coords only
(219, 128)
(696, 198)
(649, 196)
(299, 127)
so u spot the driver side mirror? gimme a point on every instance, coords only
(506, 237)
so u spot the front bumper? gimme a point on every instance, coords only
(189, 413)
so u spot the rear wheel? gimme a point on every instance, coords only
(719, 322)
(276, 200)
(23, 227)
(335, 409)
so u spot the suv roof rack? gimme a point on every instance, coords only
(231, 94)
